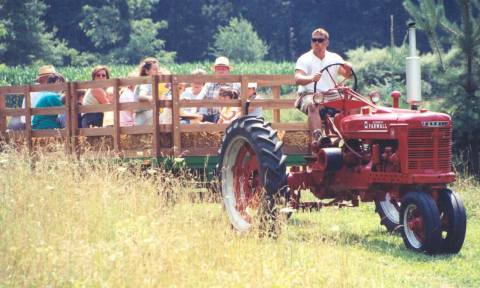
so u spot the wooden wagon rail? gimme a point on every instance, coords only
(71, 132)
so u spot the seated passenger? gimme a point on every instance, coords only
(18, 122)
(143, 92)
(190, 114)
(252, 94)
(50, 99)
(210, 90)
(228, 114)
(62, 118)
(127, 117)
(95, 96)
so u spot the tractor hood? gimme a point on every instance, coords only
(382, 120)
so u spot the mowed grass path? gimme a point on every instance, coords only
(65, 223)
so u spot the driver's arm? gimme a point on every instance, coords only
(345, 70)
(301, 78)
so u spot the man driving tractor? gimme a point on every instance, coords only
(311, 80)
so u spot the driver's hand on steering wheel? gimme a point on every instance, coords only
(346, 70)
(316, 77)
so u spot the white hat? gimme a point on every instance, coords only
(252, 85)
(222, 61)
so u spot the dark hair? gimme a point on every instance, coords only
(228, 92)
(146, 65)
(55, 78)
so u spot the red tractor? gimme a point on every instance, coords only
(399, 158)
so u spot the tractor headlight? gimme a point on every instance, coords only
(374, 97)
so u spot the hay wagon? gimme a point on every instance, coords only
(195, 144)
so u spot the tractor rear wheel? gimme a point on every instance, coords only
(453, 221)
(389, 212)
(252, 172)
(420, 222)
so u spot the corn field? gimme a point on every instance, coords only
(25, 75)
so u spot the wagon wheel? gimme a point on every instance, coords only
(389, 212)
(252, 174)
(420, 220)
(453, 221)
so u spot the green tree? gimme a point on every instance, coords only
(427, 15)
(459, 82)
(381, 69)
(24, 36)
(123, 32)
(104, 26)
(141, 8)
(3, 34)
(239, 41)
(143, 42)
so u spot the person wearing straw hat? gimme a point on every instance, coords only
(44, 72)
(49, 99)
(210, 91)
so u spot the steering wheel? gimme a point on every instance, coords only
(355, 86)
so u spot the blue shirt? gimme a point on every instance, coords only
(50, 99)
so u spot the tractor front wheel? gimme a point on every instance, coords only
(453, 221)
(252, 173)
(389, 212)
(420, 220)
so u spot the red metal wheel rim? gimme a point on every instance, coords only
(415, 223)
(247, 186)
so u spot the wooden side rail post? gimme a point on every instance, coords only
(74, 120)
(155, 120)
(116, 118)
(68, 118)
(243, 93)
(276, 96)
(175, 118)
(28, 118)
(3, 117)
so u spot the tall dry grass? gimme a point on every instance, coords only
(102, 224)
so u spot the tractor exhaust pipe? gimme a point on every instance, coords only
(414, 75)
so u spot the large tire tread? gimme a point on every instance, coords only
(453, 208)
(431, 219)
(268, 149)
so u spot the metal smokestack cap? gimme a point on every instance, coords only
(413, 70)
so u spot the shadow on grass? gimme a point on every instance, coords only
(377, 240)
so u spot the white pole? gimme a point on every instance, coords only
(414, 75)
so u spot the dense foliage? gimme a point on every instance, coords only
(239, 41)
(459, 75)
(66, 32)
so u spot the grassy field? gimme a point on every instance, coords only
(74, 223)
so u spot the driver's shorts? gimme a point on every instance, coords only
(306, 98)
(303, 101)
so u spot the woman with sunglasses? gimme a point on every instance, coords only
(96, 96)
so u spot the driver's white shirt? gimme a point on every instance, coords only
(310, 64)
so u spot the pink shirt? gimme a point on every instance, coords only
(127, 117)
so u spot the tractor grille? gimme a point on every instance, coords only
(430, 149)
